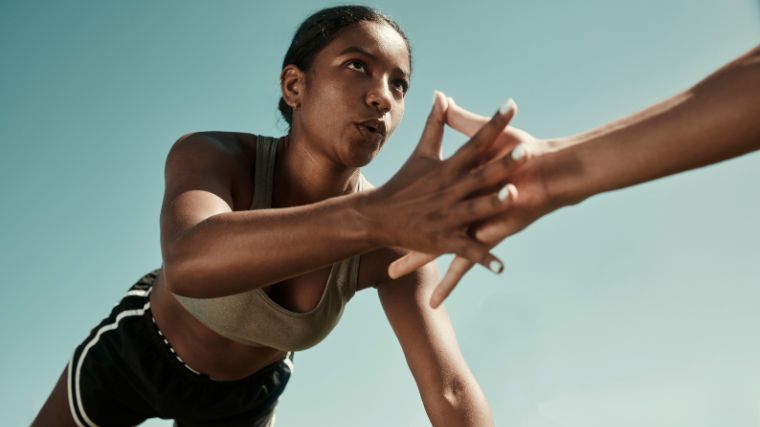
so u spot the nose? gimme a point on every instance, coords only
(379, 97)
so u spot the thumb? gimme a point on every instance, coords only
(432, 135)
(464, 120)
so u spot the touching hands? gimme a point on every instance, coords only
(714, 120)
(514, 160)
(428, 205)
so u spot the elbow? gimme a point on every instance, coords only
(181, 273)
(454, 394)
(175, 276)
(461, 403)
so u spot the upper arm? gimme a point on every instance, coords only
(199, 175)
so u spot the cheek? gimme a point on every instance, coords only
(330, 102)
(397, 115)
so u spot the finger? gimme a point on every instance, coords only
(498, 228)
(483, 138)
(482, 207)
(468, 123)
(476, 252)
(462, 120)
(458, 268)
(408, 263)
(490, 174)
(432, 135)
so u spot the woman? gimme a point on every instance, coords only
(264, 241)
(715, 120)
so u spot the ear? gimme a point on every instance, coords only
(291, 85)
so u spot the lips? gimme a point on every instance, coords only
(373, 127)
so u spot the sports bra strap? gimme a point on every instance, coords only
(266, 150)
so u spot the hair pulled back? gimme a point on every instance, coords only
(319, 29)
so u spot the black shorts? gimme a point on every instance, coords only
(125, 373)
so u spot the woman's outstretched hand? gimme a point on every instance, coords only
(511, 160)
(429, 203)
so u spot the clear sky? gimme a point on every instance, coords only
(635, 308)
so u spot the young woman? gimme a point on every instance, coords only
(715, 120)
(264, 241)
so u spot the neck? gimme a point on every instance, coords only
(304, 175)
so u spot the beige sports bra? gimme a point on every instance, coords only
(253, 318)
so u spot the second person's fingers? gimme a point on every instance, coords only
(457, 269)
(408, 263)
(476, 252)
(462, 120)
(482, 207)
(490, 174)
(473, 149)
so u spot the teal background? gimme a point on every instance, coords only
(635, 308)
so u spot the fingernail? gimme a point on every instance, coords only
(496, 266)
(518, 152)
(506, 106)
(503, 193)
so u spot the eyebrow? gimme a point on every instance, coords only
(362, 51)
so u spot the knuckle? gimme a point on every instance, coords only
(479, 173)
(471, 207)
(433, 216)
(473, 250)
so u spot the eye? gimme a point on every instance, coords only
(357, 66)
(401, 85)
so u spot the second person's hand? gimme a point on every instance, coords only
(513, 157)
(429, 203)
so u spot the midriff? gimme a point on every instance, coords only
(201, 348)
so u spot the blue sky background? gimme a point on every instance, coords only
(635, 308)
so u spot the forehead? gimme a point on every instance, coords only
(379, 39)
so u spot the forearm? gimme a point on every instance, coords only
(715, 120)
(460, 402)
(237, 251)
(449, 391)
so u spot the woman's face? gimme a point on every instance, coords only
(353, 96)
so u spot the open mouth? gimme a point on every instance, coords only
(372, 128)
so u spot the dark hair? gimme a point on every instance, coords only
(319, 29)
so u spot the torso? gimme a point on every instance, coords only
(203, 349)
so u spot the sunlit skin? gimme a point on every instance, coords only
(362, 75)
(716, 119)
(346, 106)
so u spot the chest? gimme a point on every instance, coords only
(300, 294)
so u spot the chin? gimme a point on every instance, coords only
(360, 161)
(362, 155)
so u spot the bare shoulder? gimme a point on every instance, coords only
(234, 146)
(225, 157)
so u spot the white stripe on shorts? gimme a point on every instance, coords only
(77, 398)
(138, 293)
(289, 362)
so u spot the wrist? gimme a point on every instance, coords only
(366, 214)
(564, 172)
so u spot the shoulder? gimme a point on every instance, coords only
(233, 145)
(224, 157)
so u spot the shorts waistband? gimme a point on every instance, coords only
(171, 349)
